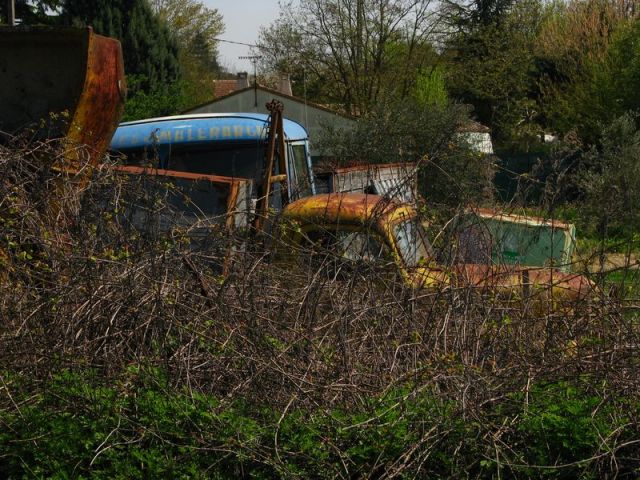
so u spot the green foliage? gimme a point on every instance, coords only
(196, 28)
(423, 134)
(583, 50)
(141, 426)
(610, 85)
(611, 180)
(563, 424)
(136, 428)
(430, 87)
(493, 69)
(624, 69)
(159, 102)
(149, 49)
(565, 428)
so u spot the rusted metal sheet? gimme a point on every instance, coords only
(62, 83)
(393, 180)
(523, 281)
(346, 208)
(231, 205)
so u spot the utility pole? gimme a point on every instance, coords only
(11, 12)
(254, 60)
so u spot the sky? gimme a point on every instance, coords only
(242, 19)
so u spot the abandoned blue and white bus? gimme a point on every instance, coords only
(227, 144)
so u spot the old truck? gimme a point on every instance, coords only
(69, 84)
(268, 152)
(373, 229)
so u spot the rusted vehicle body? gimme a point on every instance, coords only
(198, 202)
(368, 227)
(394, 180)
(61, 83)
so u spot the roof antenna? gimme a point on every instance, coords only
(254, 60)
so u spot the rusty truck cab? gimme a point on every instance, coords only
(396, 227)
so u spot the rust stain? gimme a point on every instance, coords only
(347, 208)
(177, 174)
(526, 281)
(231, 205)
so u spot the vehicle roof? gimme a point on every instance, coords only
(199, 128)
(347, 208)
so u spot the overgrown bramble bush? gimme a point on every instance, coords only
(124, 353)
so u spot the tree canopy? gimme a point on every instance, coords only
(196, 29)
(527, 67)
(150, 49)
(353, 52)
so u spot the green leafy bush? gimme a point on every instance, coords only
(139, 426)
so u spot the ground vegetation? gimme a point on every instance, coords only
(125, 353)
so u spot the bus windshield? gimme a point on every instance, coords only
(237, 160)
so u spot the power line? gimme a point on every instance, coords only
(237, 43)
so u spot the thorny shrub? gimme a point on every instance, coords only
(333, 376)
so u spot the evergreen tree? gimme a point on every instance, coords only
(34, 12)
(150, 50)
(492, 66)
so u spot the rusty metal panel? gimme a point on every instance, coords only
(195, 202)
(63, 83)
(394, 180)
(345, 208)
(101, 102)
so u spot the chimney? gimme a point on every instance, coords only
(284, 84)
(243, 80)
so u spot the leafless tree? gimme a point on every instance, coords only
(362, 49)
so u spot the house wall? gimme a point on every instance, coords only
(310, 117)
(478, 141)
